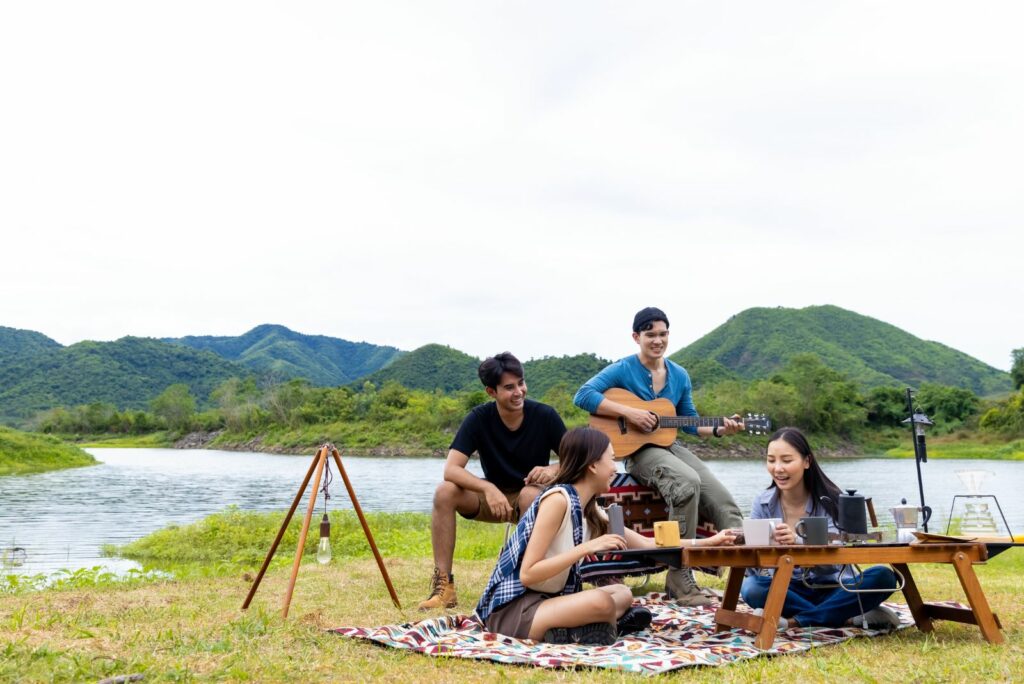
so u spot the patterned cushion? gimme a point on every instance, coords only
(643, 506)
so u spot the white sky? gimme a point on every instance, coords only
(519, 176)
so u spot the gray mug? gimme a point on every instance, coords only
(813, 530)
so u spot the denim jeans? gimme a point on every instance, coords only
(826, 607)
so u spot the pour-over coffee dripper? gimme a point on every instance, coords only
(976, 518)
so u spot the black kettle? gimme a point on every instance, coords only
(853, 512)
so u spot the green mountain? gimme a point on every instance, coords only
(756, 343)
(571, 371)
(126, 373)
(276, 350)
(432, 366)
(20, 344)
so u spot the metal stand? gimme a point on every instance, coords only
(319, 461)
(851, 538)
(918, 421)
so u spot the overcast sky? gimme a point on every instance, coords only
(519, 176)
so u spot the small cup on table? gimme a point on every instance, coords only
(666, 533)
(813, 530)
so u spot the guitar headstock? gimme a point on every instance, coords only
(757, 424)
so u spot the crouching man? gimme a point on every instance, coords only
(514, 437)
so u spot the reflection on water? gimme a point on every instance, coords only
(62, 518)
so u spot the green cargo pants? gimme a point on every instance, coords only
(687, 485)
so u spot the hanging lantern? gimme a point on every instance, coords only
(323, 549)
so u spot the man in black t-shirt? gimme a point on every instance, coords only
(514, 437)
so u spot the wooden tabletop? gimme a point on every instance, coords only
(770, 556)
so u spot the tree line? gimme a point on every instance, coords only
(806, 392)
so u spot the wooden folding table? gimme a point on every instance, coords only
(901, 556)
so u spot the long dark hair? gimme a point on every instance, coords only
(578, 449)
(815, 479)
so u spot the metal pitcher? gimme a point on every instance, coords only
(853, 512)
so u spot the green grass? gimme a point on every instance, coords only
(154, 440)
(965, 448)
(236, 536)
(23, 452)
(193, 630)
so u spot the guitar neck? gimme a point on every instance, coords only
(688, 421)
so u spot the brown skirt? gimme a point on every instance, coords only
(515, 618)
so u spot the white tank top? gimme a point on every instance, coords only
(561, 542)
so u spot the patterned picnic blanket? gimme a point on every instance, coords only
(678, 637)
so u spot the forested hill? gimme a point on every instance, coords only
(21, 344)
(569, 371)
(284, 353)
(432, 366)
(127, 373)
(757, 343)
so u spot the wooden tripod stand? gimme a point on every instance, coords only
(319, 461)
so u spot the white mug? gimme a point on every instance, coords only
(759, 531)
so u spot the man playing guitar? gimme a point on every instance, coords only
(681, 478)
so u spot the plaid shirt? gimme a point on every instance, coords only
(504, 585)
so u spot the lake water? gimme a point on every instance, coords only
(62, 518)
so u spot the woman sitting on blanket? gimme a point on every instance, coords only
(798, 483)
(535, 591)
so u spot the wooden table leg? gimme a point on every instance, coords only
(976, 597)
(914, 601)
(732, 594)
(773, 605)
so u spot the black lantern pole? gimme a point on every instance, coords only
(918, 422)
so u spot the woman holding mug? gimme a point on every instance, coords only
(796, 491)
(535, 591)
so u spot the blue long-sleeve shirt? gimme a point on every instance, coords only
(629, 374)
(768, 504)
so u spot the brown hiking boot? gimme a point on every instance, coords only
(682, 587)
(442, 592)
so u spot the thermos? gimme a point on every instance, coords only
(615, 522)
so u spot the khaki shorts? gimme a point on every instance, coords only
(515, 619)
(485, 514)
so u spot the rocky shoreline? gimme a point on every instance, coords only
(721, 451)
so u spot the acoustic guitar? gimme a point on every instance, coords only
(627, 438)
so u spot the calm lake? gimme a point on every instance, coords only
(62, 518)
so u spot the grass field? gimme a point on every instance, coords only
(951, 447)
(22, 453)
(192, 629)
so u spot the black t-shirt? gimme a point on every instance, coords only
(508, 456)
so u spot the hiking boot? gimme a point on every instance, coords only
(596, 634)
(557, 635)
(682, 587)
(633, 620)
(442, 592)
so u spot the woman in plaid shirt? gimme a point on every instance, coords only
(535, 591)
